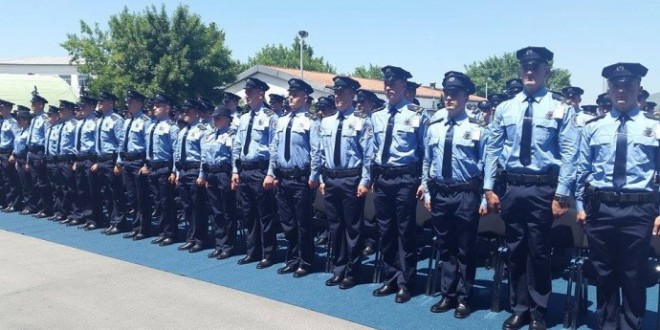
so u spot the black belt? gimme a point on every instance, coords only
(530, 179)
(84, 157)
(225, 168)
(21, 156)
(159, 164)
(187, 165)
(65, 158)
(378, 170)
(106, 157)
(130, 156)
(49, 158)
(343, 173)
(293, 173)
(256, 165)
(6, 151)
(613, 197)
(36, 149)
(443, 188)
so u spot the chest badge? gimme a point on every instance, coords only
(549, 115)
(648, 132)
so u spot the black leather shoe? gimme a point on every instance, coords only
(515, 322)
(73, 222)
(214, 254)
(10, 209)
(130, 235)
(158, 240)
(113, 231)
(300, 272)
(246, 260)
(462, 311)
(139, 236)
(26, 212)
(65, 221)
(287, 269)
(167, 241)
(384, 290)
(60, 217)
(335, 280)
(41, 215)
(196, 248)
(91, 226)
(186, 246)
(84, 225)
(321, 241)
(369, 250)
(445, 304)
(223, 255)
(264, 263)
(402, 295)
(53, 217)
(347, 283)
(537, 325)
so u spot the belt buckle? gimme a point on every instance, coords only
(616, 197)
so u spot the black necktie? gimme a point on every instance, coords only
(128, 130)
(248, 135)
(340, 128)
(80, 134)
(98, 135)
(526, 139)
(151, 141)
(287, 138)
(183, 144)
(447, 154)
(59, 140)
(388, 136)
(619, 174)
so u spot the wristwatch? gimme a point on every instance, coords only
(562, 200)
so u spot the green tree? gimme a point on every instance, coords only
(502, 68)
(289, 57)
(370, 72)
(152, 51)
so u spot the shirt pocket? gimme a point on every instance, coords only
(545, 131)
(466, 148)
(601, 147)
(644, 148)
(405, 134)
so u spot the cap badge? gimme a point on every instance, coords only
(619, 68)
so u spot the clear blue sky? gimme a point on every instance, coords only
(427, 38)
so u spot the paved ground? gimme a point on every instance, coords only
(47, 285)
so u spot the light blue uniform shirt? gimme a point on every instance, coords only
(410, 123)
(8, 132)
(109, 133)
(68, 140)
(135, 131)
(37, 130)
(263, 131)
(356, 143)
(554, 139)
(86, 135)
(194, 134)
(597, 153)
(217, 148)
(165, 133)
(467, 152)
(21, 141)
(304, 141)
(53, 139)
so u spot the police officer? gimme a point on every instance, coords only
(451, 179)
(105, 185)
(617, 166)
(85, 146)
(276, 103)
(650, 107)
(11, 184)
(367, 101)
(20, 153)
(250, 159)
(207, 109)
(642, 97)
(485, 112)
(573, 96)
(587, 113)
(292, 157)
(51, 140)
(604, 103)
(513, 87)
(411, 92)
(131, 159)
(188, 159)
(398, 151)
(495, 99)
(65, 155)
(345, 152)
(325, 107)
(40, 202)
(161, 139)
(215, 175)
(534, 133)
(230, 101)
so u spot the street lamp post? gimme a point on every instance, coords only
(487, 80)
(302, 34)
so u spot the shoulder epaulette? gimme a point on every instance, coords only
(311, 115)
(594, 119)
(360, 114)
(202, 127)
(415, 108)
(379, 109)
(269, 112)
(650, 116)
(439, 120)
(474, 120)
